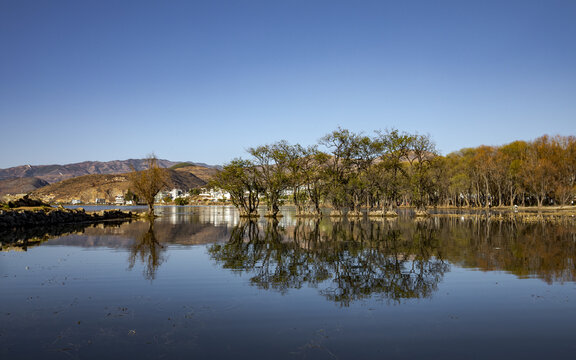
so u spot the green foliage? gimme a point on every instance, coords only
(195, 192)
(241, 180)
(180, 165)
(130, 196)
(181, 201)
(355, 170)
(149, 182)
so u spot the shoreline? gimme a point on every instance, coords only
(42, 216)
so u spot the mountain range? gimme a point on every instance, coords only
(55, 173)
(91, 178)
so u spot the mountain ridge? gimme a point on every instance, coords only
(55, 172)
(88, 188)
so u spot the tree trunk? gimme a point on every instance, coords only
(151, 210)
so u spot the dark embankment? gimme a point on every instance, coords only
(20, 218)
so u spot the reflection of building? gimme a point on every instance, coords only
(219, 215)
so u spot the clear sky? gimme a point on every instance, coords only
(204, 80)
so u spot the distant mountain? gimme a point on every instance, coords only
(88, 188)
(55, 173)
(203, 172)
(21, 186)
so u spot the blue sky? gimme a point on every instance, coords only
(204, 80)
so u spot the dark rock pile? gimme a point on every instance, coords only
(26, 202)
(25, 218)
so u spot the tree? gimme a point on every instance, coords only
(241, 181)
(181, 201)
(130, 196)
(395, 147)
(341, 145)
(423, 151)
(295, 158)
(147, 183)
(314, 166)
(541, 169)
(271, 162)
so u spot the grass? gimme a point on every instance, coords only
(180, 165)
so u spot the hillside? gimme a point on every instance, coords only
(88, 188)
(56, 173)
(21, 186)
(203, 172)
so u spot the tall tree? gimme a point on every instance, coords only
(147, 183)
(242, 182)
(541, 169)
(422, 152)
(339, 172)
(395, 151)
(271, 164)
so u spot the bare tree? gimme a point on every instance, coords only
(147, 183)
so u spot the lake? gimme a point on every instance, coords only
(201, 283)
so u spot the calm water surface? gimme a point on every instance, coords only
(199, 283)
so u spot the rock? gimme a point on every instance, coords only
(26, 201)
(20, 218)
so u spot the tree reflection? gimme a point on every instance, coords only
(346, 260)
(545, 251)
(149, 250)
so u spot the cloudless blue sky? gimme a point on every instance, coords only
(204, 80)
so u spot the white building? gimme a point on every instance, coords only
(119, 200)
(214, 194)
(176, 193)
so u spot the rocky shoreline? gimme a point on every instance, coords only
(19, 218)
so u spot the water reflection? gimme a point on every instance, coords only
(540, 250)
(23, 238)
(213, 215)
(345, 260)
(148, 249)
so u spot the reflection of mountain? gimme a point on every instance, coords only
(125, 234)
(21, 239)
(348, 261)
(112, 234)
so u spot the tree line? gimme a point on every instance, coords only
(348, 171)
